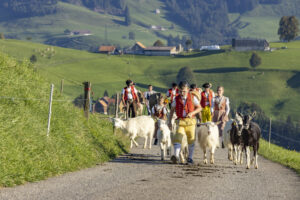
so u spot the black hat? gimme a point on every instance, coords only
(207, 85)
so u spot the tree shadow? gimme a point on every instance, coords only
(294, 81)
(141, 159)
(201, 53)
(122, 23)
(222, 70)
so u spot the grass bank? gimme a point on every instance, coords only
(280, 155)
(27, 154)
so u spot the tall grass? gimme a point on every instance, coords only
(27, 154)
(280, 155)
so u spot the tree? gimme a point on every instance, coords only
(2, 37)
(186, 74)
(288, 28)
(67, 32)
(131, 36)
(127, 16)
(105, 93)
(255, 60)
(158, 43)
(33, 59)
(188, 43)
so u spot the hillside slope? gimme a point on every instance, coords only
(27, 154)
(274, 86)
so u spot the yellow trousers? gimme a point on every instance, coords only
(206, 114)
(186, 127)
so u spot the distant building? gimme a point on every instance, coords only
(81, 32)
(102, 105)
(157, 11)
(210, 48)
(158, 28)
(137, 49)
(160, 51)
(107, 49)
(250, 45)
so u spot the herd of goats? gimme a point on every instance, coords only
(239, 135)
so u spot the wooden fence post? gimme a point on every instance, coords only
(62, 86)
(270, 131)
(116, 110)
(87, 98)
(50, 109)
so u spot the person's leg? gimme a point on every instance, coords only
(177, 144)
(190, 133)
(205, 115)
(134, 109)
(155, 133)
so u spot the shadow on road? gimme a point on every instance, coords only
(141, 159)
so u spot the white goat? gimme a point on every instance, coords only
(226, 138)
(164, 138)
(142, 126)
(208, 137)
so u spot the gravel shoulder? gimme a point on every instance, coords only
(141, 175)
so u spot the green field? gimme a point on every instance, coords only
(43, 28)
(27, 154)
(267, 86)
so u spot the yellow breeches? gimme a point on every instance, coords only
(206, 114)
(186, 127)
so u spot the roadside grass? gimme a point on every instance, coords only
(27, 154)
(280, 155)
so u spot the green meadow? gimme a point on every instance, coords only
(274, 82)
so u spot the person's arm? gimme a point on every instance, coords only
(227, 106)
(123, 97)
(197, 109)
(173, 106)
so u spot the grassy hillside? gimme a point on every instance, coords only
(72, 17)
(27, 154)
(268, 86)
(263, 21)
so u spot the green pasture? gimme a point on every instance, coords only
(267, 85)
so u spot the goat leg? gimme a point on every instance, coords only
(248, 156)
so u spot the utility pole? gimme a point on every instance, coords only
(87, 98)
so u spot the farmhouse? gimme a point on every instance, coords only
(137, 49)
(107, 49)
(250, 44)
(160, 51)
(103, 104)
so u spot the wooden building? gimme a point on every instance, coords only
(250, 45)
(160, 51)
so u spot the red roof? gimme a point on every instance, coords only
(107, 48)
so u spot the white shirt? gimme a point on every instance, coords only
(148, 94)
(129, 94)
(195, 102)
(219, 100)
(174, 94)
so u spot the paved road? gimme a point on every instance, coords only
(141, 175)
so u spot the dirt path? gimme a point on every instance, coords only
(141, 175)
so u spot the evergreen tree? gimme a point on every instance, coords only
(158, 43)
(186, 74)
(188, 43)
(255, 60)
(288, 28)
(127, 16)
(33, 59)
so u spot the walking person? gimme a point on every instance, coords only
(159, 112)
(130, 99)
(197, 93)
(186, 107)
(207, 103)
(172, 93)
(221, 110)
(147, 95)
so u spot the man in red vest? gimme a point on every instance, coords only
(207, 103)
(186, 107)
(172, 93)
(130, 98)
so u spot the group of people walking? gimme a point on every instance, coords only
(192, 106)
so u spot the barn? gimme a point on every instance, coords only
(250, 45)
(160, 51)
(107, 49)
(137, 49)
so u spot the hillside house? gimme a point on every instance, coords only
(160, 51)
(103, 104)
(137, 49)
(81, 32)
(107, 49)
(250, 45)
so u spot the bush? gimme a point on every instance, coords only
(255, 60)
(186, 74)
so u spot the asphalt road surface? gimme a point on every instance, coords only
(141, 175)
